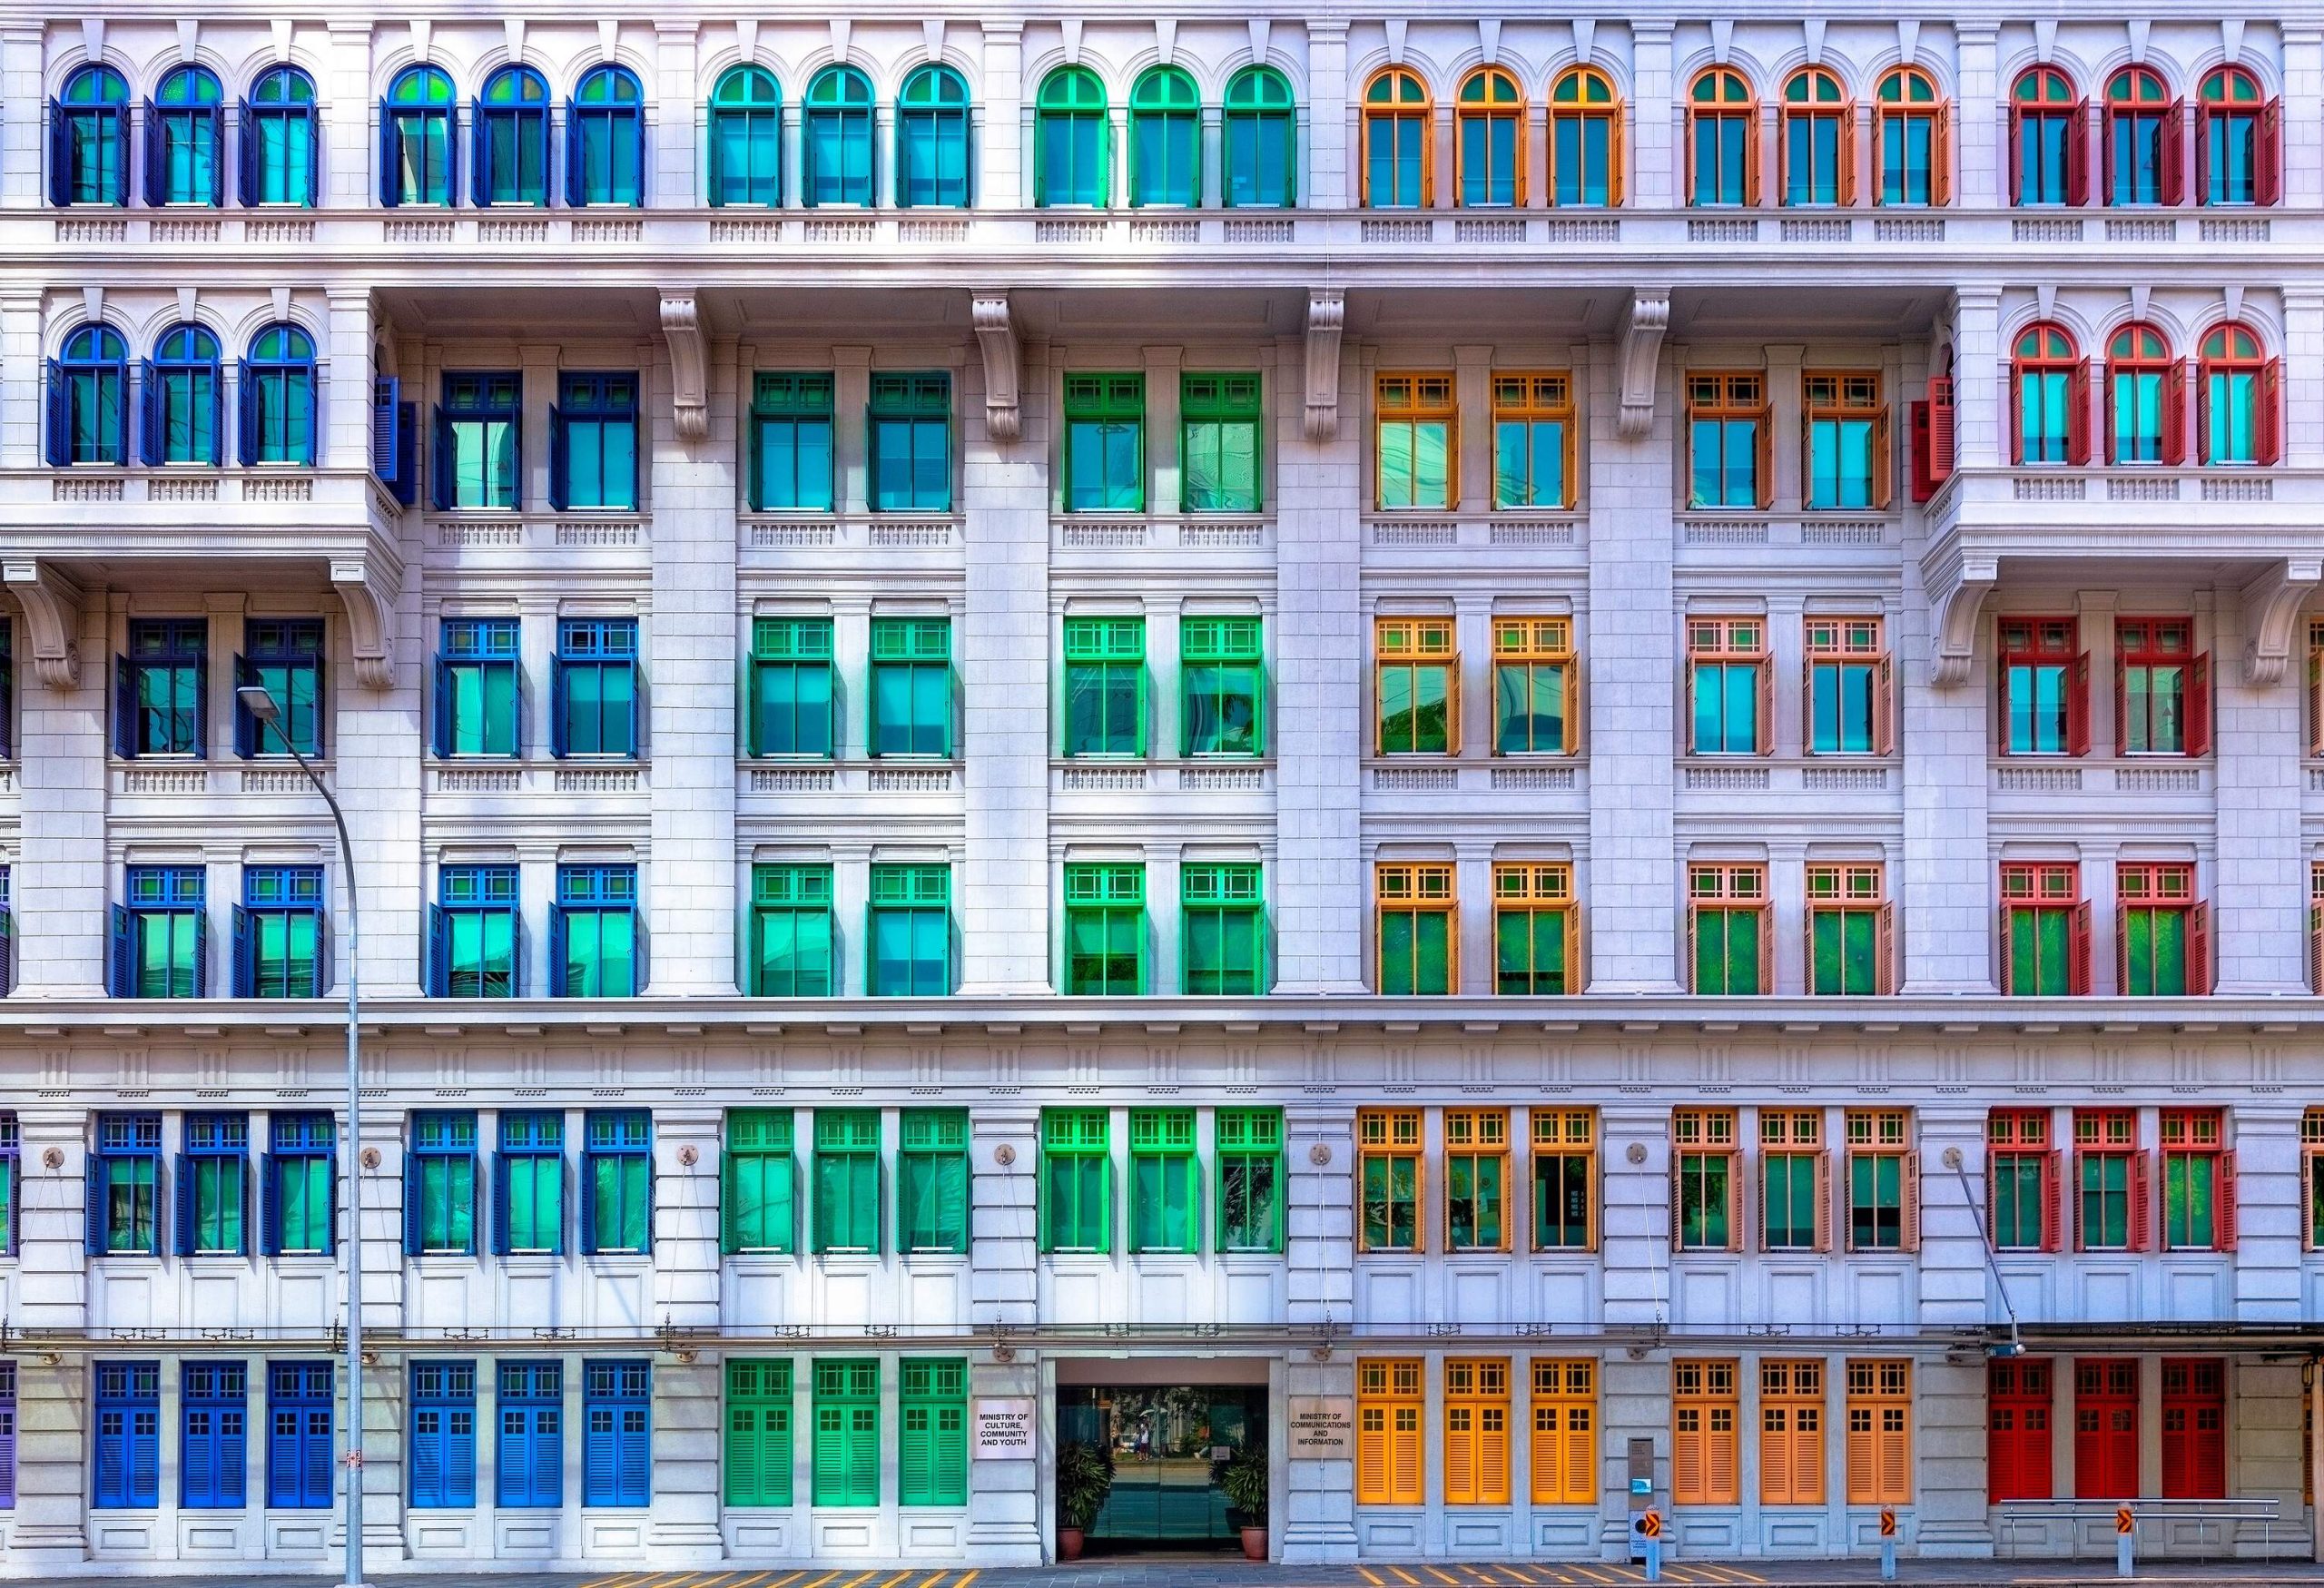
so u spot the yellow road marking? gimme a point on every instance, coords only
(891, 1582)
(819, 1581)
(1372, 1577)
(1588, 1573)
(858, 1581)
(934, 1578)
(1627, 1574)
(1407, 1577)
(786, 1582)
(966, 1579)
(1442, 1577)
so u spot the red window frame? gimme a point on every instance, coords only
(2034, 641)
(2021, 1400)
(2040, 103)
(2047, 884)
(2042, 348)
(2194, 1428)
(2126, 95)
(2114, 1133)
(2141, 348)
(2267, 156)
(2024, 1133)
(2163, 642)
(2225, 350)
(2106, 1428)
(2200, 1134)
(2167, 884)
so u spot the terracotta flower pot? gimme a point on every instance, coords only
(1068, 1544)
(1255, 1543)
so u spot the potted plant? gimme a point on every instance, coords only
(1242, 1477)
(1085, 1476)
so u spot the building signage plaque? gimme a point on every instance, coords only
(1323, 1427)
(1004, 1428)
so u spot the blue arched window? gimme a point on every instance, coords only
(746, 138)
(932, 139)
(278, 398)
(88, 139)
(88, 408)
(185, 137)
(837, 156)
(415, 139)
(604, 154)
(509, 158)
(180, 422)
(279, 139)
(1071, 142)
(1164, 138)
(1262, 140)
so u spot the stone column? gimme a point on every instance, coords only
(2259, 894)
(678, 90)
(1318, 1512)
(852, 430)
(1002, 1212)
(1002, 179)
(2269, 1215)
(62, 888)
(350, 102)
(2303, 149)
(52, 1293)
(1655, 170)
(1949, 1402)
(53, 1443)
(1787, 492)
(1164, 470)
(1331, 163)
(24, 104)
(1634, 1219)
(1979, 181)
(1004, 1493)
(687, 1423)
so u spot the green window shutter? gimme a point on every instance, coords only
(932, 1183)
(1250, 1180)
(755, 1212)
(790, 932)
(1104, 908)
(847, 1433)
(847, 1180)
(1077, 1181)
(1223, 922)
(758, 1433)
(1166, 1181)
(932, 1446)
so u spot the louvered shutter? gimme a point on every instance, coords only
(2199, 706)
(441, 459)
(2078, 154)
(1687, 1461)
(2203, 116)
(2173, 172)
(2224, 1201)
(270, 1206)
(2078, 707)
(411, 1200)
(1460, 1456)
(2078, 951)
(1895, 1453)
(1862, 1457)
(246, 436)
(2141, 1204)
(548, 1455)
(913, 1455)
(185, 1210)
(390, 182)
(2016, 155)
(559, 454)
(2054, 1201)
(1371, 1459)
(1722, 1467)
(2268, 174)
(2271, 449)
(144, 1455)
(1492, 1460)
(1406, 1460)
(1823, 1193)
(59, 438)
(2078, 399)
(460, 1455)
(157, 151)
(2174, 410)
(153, 427)
(1923, 485)
(93, 1236)
(2199, 949)
(242, 961)
(1909, 1191)
(502, 1189)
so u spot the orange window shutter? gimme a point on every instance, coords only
(1764, 677)
(1616, 156)
(1848, 155)
(2013, 428)
(1883, 466)
(1940, 158)
(1766, 950)
(1883, 949)
(1492, 1457)
(1823, 1202)
(1724, 1467)
(1692, 196)
(1766, 431)
(1460, 1458)
(1911, 1193)
(1895, 1457)
(1572, 682)
(1862, 1457)
(1751, 157)
(1879, 156)
(1371, 1458)
(1775, 1456)
(1735, 1161)
(1407, 1460)
(1687, 1460)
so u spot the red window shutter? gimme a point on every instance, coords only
(1924, 471)
(1883, 949)
(2078, 414)
(2174, 412)
(2271, 411)
(2106, 134)
(2141, 1202)
(1766, 691)
(2268, 178)
(2078, 155)
(1883, 707)
(2202, 417)
(2078, 952)
(1993, 1178)
(2121, 703)
(1940, 428)
(2198, 950)
(2199, 706)
(2081, 1234)
(2106, 403)
(2223, 1202)
(2016, 155)
(2174, 153)
(2202, 155)
(1675, 1226)
(2078, 707)
(2008, 960)
(2053, 1201)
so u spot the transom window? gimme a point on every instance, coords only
(1585, 139)
(1399, 154)
(1490, 140)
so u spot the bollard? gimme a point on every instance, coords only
(1654, 1559)
(2125, 1547)
(1887, 1544)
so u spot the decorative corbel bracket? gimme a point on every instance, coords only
(51, 605)
(1642, 330)
(1004, 418)
(1956, 599)
(689, 364)
(1326, 315)
(369, 599)
(2272, 605)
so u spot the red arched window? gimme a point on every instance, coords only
(2144, 134)
(1818, 139)
(2049, 394)
(2239, 141)
(2049, 146)
(2238, 397)
(1722, 140)
(2146, 399)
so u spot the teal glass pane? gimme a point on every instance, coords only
(1812, 160)
(1105, 952)
(1105, 708)
(600, 953)
(793, 708)
(2037, 708)
(2230, 413)
(446, 1204)
(536, 1202)
(601, 463)
(1719, 173)
(910, 954)
(1105, 466)
(911, 466)
(2138, 417)
(305, 1192)
(794, 953)
(1221, 464)
(1840, 462)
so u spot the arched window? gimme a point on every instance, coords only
(2143, 155)
(510, 163)
(2238, 398)
(1722, 140)
(1585, 139)
(277, 417)
(2049, 153)
(1262, 157)
(415, 139)
(933, 140)
(88, 398)
(2239, 141)
(1165, 139)
(746, 138)
(604, 140)
(181, 422)
(1399, 157)
(1818, 139)
(88, 139)
(279, 139)
(2050, 394)
(1911, 139)
(1071, 148)
(185, 136)
(2146, 399)
(1489, 140)
(836, 159)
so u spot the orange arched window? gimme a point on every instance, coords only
(2238, 397)
(2144, 159)
(2049, 146)
(1489, 140)
(2239, 141)
(1399, 164)
(2048, 385)
(1722, 140)
(2146, 399)
(1912, 138)
(1818, 139)
(1585, 139)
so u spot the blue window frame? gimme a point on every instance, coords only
(440, 1186)
(281, 946)
(593, 932)
(477, 938)
(276, 422)
(593, 681)
(443, 1435)
(88, 139)
(616, 1455)
(479, 442)
(88, 398)
(911, 442)
(278, 163)
(160, 941)
(528, 1184)
(529, 1453)
(124, 1186)
(185, 140)
(299, 1186)
(605, 131)
(213, 1443)
(835, 159)
(479, 700)
(299, 1453)
(508, 155)
(125, 1454)
(285, 657)
(11, 1180)
(213, 1187)
(617, 1182)
(1262, 135)
(746, 138)
(181, 419)
(593, 442)
(416, 164)
(932, 164)
(161, 689)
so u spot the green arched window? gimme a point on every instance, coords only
(746, 138)
(838, 152)
(1262, 157)
(1165, 139)
(933, 140)
(1071, 148)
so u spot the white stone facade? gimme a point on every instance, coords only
(1008, 297)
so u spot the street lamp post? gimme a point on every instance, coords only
(262, 707)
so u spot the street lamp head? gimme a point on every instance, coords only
(258, 703)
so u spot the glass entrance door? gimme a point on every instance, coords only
(1165, 1442)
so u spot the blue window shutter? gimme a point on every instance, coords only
(443, 706)
(316, 1481)
(406, 486)
(112, 1459)
(411, 1203)
(282, 1453)
(185, 1207)
(598, 1454)
(573, 165)
(330, 1224)
(637, 1455)
(119, 982)
(202, 703)
(244, 971)
(588, 1200)
(245, 412)
(638, 974)
(524, 711)
(428, 1441)
(391, 184)
(93, 1237)
(637, 132)
(322, 952)
(558, 452)
(479, 178)
(548, 1455)
(517, 948)
(557, 707)
(269, 1205)
(217, 114)
(198, 1458)
(59, 156)
(121, 165)
(306, 123)
(386, 390)
(636, 747)
(201, 956)
(460, 1466)
(152, 434)
(557, 972)
(246, 161)
(156, 159)
(501, 1176)
(440, 455)
(439, 949)
(60, 418)
(124, 709)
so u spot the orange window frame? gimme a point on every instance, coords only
(1512, 110)
(1791, 1431)
(1524, 397)
(1706, 1411)
(1841, 110)
(1936, 108)
(1415, 398)
(1582, 109)
(2311, 1153)
(1880, 1432)
(1396, 108)
(1415, 642)
(1565, 1431)
(1419, 888)
(1390, 1406)
(1797, 1133)
(1886, 1133)
(1848, 394)
(1852, 888)
(2027, 1132)
(1478, 1136)
(1567, 1133)
(1852, 639)
(1476, 1430)
(1735, 394)
(1540, 642)
(1722, 104)
(1732, 886)
(1707, 1133)
(1730, 640)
